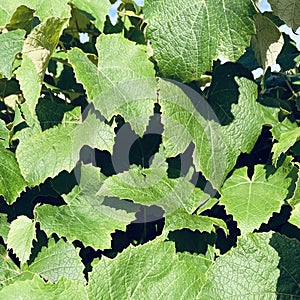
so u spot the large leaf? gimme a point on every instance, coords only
(288, 11)
(12, 182)
(36, 288)
(187, 35)
(45, 154)
(98, 10)
(248, 271)
(20, 237)
(123, 83)
(43, 9)
(245, 198)
(84, 217)
(56, 260)
(150, 271)
(267, 42)
(11, 43)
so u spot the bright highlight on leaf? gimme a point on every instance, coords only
(245, 199)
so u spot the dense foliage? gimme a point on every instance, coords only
(140, 156)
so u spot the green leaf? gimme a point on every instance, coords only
(288, 11)
(98, 9)
(151, 186)
(187, 36)
(9, 271)
(4, 227)
(295, 215)
(216, 147)
(4, 134)
(36, 288)
(43, 9)
(248, 271)
(150, 271)
(122, 83)
(11, 43)
(46, 154)
(42, 41)
(286, 141)
(20, 237)
(56, 260)
(30, 85)
(181, 219)
(245, 198)
(84, 217)
(268, 41)
(12, 182)
(22, 18)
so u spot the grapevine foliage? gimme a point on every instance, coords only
(136, 163)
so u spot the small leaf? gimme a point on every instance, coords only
(286, 141)
(268, 41)
(20, 237)
(295, 216)
(98, 9)
(11, 43)
(245, 198)
(56, 260)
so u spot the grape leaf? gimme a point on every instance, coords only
(84, 217)
(9, 271)
(151, 186)
(22, 18)
(12, 182)
(187, 36)
(45, 154)
(245, 198)
(181, 219)
(286, 141)
(43, 9)
(150, 271)
(98, 9)
(30, 86)
(36, 288)
(4, 134)
(11, 43)
(56, 260)
(268, 41)
(123, 85)
(4, 227)
(248, 271)
(216, 147)
(288, 11)
(42, 41)
(295, 215)
(20, 237)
